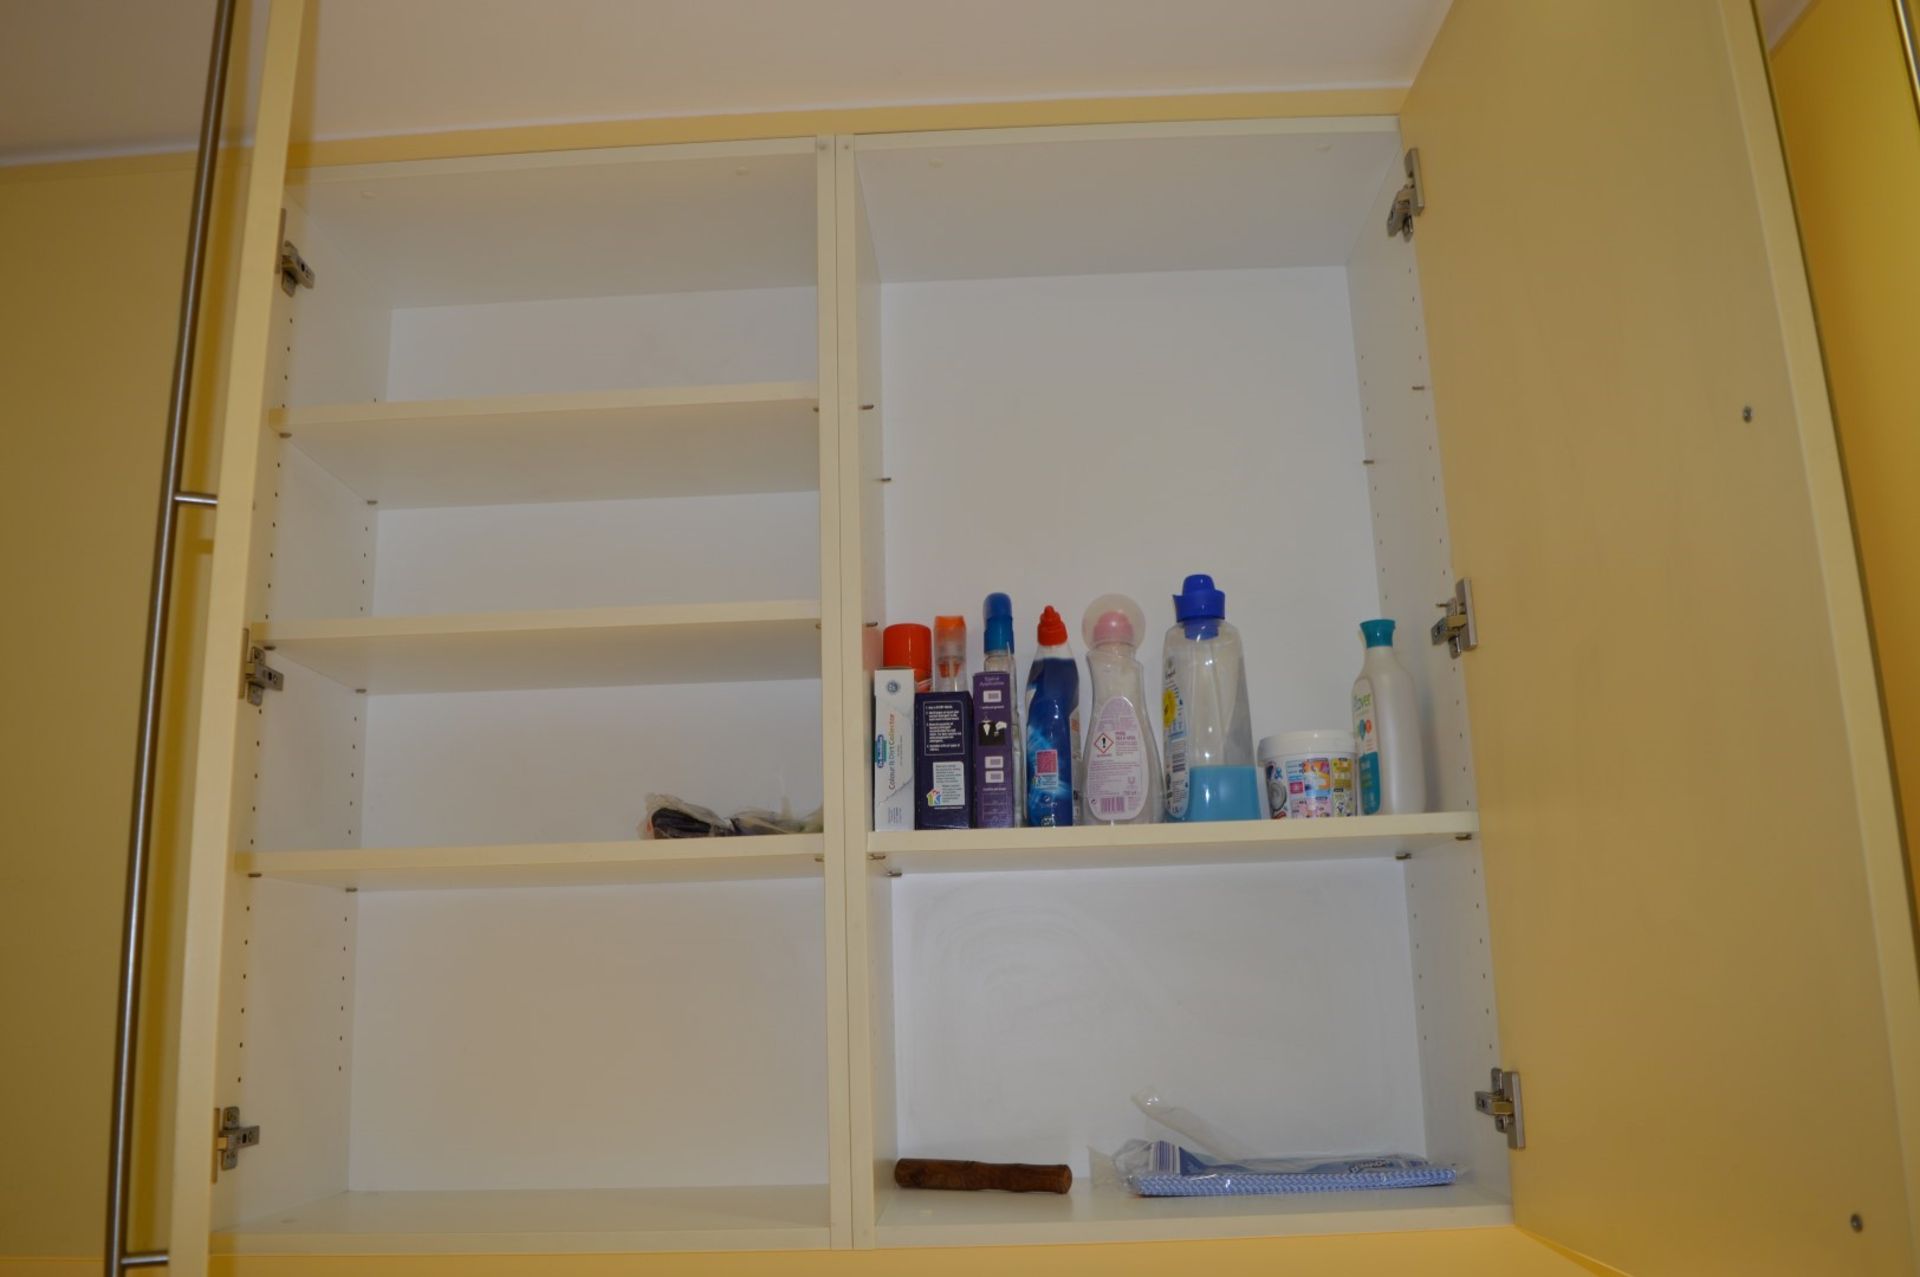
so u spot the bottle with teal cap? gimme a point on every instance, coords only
(1203, 708)
(1386, 729)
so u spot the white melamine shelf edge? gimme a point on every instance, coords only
(558, 404)
(1127, 132)
(541, 1221)
(526, 161)
(708, 440)
(581, 647)
(1121, 846)
(650, 616)
(634, 861)
(919, 1217)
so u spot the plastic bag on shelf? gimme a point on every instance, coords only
(1226, 1168)
(1194, 1131)
(670, 817)
(1161, 1168)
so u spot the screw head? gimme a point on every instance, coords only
(1746, 413)
(1855, 1222)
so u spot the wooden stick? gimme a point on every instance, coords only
(970, 1177)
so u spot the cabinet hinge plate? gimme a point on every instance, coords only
(229, 1137)
(1410, 202)
(1458, 628)
(295, 274)
(1503, 1105)
(257, 678)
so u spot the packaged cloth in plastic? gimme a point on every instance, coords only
(1161, 1168)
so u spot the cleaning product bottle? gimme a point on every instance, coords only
(1120, 771)
(950, 654)
(1210, 767)
(1053, 725)
(1386, 729)
(909, 646)
(996, 638)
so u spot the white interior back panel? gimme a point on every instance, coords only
(581, 223)
(1197, 422)
(576, 765)
(1273, 1000)
(604, 343)
(1162, 197)
(599, 554)
(591, 1038)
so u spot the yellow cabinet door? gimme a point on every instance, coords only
(1704, 957)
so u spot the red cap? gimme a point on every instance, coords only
(1053, 630)
(908, 646)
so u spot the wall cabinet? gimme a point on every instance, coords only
(583, 475)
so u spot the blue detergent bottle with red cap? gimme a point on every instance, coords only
(1203, 708)
(1052, 726)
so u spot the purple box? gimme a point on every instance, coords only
(942, 752)
(993, 750)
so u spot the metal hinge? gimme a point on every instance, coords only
(229, 1137)
(1503, 1105)
(257, 678)
(1410, 202)
(1457, 628)
(295, 274)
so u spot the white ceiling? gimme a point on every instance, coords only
(80, 76)
(102, 76)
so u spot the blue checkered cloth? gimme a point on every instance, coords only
(1164, 1169)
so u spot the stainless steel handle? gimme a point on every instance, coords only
(1910, 42)
(172, 499)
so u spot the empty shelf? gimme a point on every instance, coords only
(540, 1221)
(588, 647)
(579, 864)
(588, 446)
(1131, 846)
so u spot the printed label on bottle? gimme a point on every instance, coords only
(1173, 716)
(1310, 786)
(1073, 739)
(1116, 763)
(949, 788)
(1366, 735)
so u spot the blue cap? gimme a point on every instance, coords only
(1199, 601)
(998, 636)
(1377, 633)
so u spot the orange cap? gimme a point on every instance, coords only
(1053, 630)
(946, 625)
(908, 646)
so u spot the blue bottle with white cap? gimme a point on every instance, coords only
(1209, 731)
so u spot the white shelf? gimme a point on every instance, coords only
(587, 647)
(775, 1217)
(581, 864)
(1108, 1213)
(1135, 846)
(590, 446)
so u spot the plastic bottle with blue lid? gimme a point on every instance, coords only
(1209, 730)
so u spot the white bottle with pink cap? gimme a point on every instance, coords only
(1121, 782)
